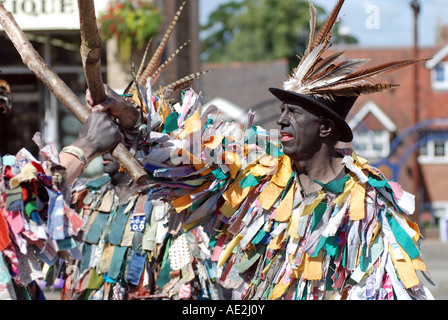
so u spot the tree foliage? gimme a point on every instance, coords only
(254, 30)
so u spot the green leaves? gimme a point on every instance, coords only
(251, 30)
(259, 30)
(133, 23)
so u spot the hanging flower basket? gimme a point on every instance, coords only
(132, 22)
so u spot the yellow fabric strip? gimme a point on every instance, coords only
(284, 209)
(313, 267)
(405, 269)
(310, 208)
(184, 202)
(284, 172)
(227, 209)
(228, 249)
(276, 243)
(214, 142)
(357, 201)
(268, 196)
(279, 289)
(416, 228)
(347, 190)
(233, 161)
(235, 194)
(192, 124)
(259, 170)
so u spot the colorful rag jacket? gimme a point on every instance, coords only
(128, 251)
(38, 229)
(351, 240)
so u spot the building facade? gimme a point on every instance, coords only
(405, 132)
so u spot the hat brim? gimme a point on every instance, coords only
(312, 105)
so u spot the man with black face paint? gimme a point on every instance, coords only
(310, 142)
(324, 224)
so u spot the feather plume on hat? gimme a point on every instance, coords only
(326, 77)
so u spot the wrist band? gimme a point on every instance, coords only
(77, 152)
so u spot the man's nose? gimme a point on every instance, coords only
(282, 120)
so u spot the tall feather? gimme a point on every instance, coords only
(142, 64)
(325, 64)
(357, 90)
(178, 84)
(339, 71)
(317, 43)
(326, 77)
(325, 32)
(313, 25)
(170, 58)
(383, 68)
(157, 57)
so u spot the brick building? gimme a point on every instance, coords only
(388, 129)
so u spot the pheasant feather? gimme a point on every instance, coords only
(170, 58)
(157, 57)
(178, 84)
(154, 68)
(325, 76)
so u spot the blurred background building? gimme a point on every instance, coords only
(404, 132)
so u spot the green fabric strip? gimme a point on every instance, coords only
(171, 123)
(95, 230)
(164, 275)
(320, 245)
(116, 262)
(97, 183)
(250, 260)
(402, 237)
(335, 186)
(117, 227)
(249, 181)
(318, 213)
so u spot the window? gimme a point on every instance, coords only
(437, 208)
(439, 149)
(440, 73)
(372, 144)
(372, 141)
(433, 152)
(440, 76)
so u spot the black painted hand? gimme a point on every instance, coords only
(98, 135)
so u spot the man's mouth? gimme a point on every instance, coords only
(285, 136)
(107, 159)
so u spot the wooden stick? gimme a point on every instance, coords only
(61, 91)
(91, 48)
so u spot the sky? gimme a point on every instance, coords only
(377, 23)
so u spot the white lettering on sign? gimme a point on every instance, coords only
(39, 7)
(48, 14)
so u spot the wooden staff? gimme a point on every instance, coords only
(91, 48)
(61, 91)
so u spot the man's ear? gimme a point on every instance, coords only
(326, 128)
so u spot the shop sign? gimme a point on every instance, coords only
(48, 14)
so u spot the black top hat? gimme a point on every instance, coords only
(335, 110)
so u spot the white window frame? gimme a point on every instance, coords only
(382, 136)
(430, 157)
(437, 208)
(369, 139)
